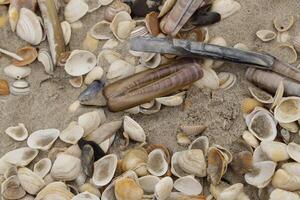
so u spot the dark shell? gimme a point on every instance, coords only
(87, 160)
(98, 152)
(140, 8)
(202, 18)
(92, 94)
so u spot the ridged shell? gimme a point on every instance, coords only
(127, 188)
(135, 159)
(20, 87)
(11, 188)
(148, 183)
(75, 10)
(42, 167)
(157, 164)
(17, 72)
(227, 80)
(202, 143)
(43, 139)
(18, 133)
(31, 182)
(188, 185)
(20, 157)
(163, 188)
(45, 58)
(55, 190)
(89, 121)
(193, 162)
(266, 35)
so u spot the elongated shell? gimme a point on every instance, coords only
(134, 130)
(17, 72)
(288, 110)
(261, 95)
(75, 10)
(31, 182)
(20, 157)
(157, 164)
(104, 170)
(18, 133)
(188, 185)
(43, 139)
(42, 167)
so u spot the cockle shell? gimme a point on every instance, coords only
(163, 188)
(275, 151)
(11, 188)
(72, 134)
(80, 62)
(20, 157)
(288, 110)
(31, 182)
(210, 79)
(20, 87)
(88, 187)
(266, 35)
(122, 25)
(17, 72)
(4, 88)
(101, 31)
(104, 170)
(293, 151)
(120, 69)
(55, 190)
(29, 27)
(29, 55)
(42, 167)
(284, 24)
(225, 8)
(193, 162)
(216, 166)
(134, 130)
(18, 133)
(45, 58)
(227, 80)
(85, 196)
(188, 185)
(89, 121)
(173, 100)
(135, 159)
(261, 95)
(157, 164)
(279, 194)
(202, 143)
(67, 31)
(75, 10)
(43, 139)
(148, 183)
(65, 167)
(127, 188)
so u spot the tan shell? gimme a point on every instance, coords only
(110, 44)
(175, 168)
(226, 8)
(104, 170)
(210, 79)
(17, 72)
(293, 151)
(20, 157)
(89, 121)
(101, 31)
(85, 196)
(107, 143)
(188, 185)
(29, 55)
(107, 57)
(72, 134)
(241, 46)
(193, 162)
(183, 139)
(286, 181)
(193, 130)
(116, 7)
(75, 10)
(43, 139)
(266, 35)
(157, 164)
(76, 82)
(284, 24)
(163, 188)
(11, 188)
(261, 95)
(234, 192)
(127, 188)
(250, 139)
(136, 159)
(288, 110)
(134, 130)
(42, 167)
(216, 166)
(88, 187)
(30, 181)
(279, 194)
(120, 69)
(148, 183)
(55, 190)
(4, 88)
(94, 74)
(18, 133)
(90, 43)
(173, 100)
(249, 104)
(290, 54)
(275, 151)
(122, 25)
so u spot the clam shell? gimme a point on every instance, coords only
(175, 167)
(42, 167)
(292, 127)
(29, 55)
(107, 143)
(110, 44)
(225, 8)
(120, 69)
(18, 133)
(88, 187)
(163, 188)
(101, 31)
(75, 10)
(283, 37)
(157, 164)
(261, 95)
(55, 190)
(93, 5)
(76, 82)
(242, 162)
(30, 181)
(29, 27)
(4, 88)
(284, 24)
(72, 134)
(188, 185)
(232, 192)
(104, 170)
(89, 121)
(174, 100)
(148, 183)
(12, 189)
(292, 168)
(85, 196)
(202, 143)
(153, 62)
(261, 174)
(136, 32)
(152, 23)
(80, 62)
(43, 139)
(275, 151)
(241, 46)
(259, 155)
(20, 157)
(278, 95)
(134, 130)
(122, 25)
(193, 162)
(296, 42)
(20, 87)
(67, 31)
(17, 72)
(266, 35)
(136, 159)
(45, 58)
(288, 53)
(227, 80)
(183, 139)
(210, 79)
(288, 110)
(279, 194)
(193, 129)
(167, 6)
(116, 7)
(217, 165)
(250, 139)
(127, 188)
(4, 167)
(65, 167)
(293, 151)
(286, 181)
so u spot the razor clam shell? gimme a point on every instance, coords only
(67, 31)
(17, 72)
(92, 95)
(75, 10)
(45, 58)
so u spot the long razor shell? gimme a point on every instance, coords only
(53, 29)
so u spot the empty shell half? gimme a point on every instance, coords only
(157, 164)
(18, 133)
(261, 95)
(122, 25)
(45, 58)
(72, 134)
(188, 185)
(94, 74)
(101, 31)
(266, 35)
(89, 121)
(67, 31)
(173, 100)
(148, 183)
(210, 79)
(163, 188)
(43, 139)
(29, 55)
(128, 188)
(75, 10)
(225, 8)
(134, 130)
(30, 181)
(42, 167)
(20, 87)
(17, 72)
(192, 162)
(120, 69)
(288, 110)
(283, 24)
(85, 196)
(20, 157)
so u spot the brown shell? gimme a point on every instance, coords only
(29, 55)
(242, 162)
(4, 88)
(152, 23)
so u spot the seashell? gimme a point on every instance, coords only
(89, 121)
(266, 35)
(45, 58)
(167, 6)
(157, 164)
(227, 80)
(12, 189)
(108, 56)
(242, 162)
(90, 43)
(31, 182)
(210, 79)
(122, 25)
(278, 194)
(293, 150)
(107, 143)
(87, 159)
(193, 162)
(110, 44)
(288, 110)
(93, 5)
(127, 188)
(148, 105)
(4, 2)
(28, 197)
(116, 7)
(72, 134)
(278, 95)
(120, 69)
(233, 192)
(4, 88)
(29, 28)
(225, 153)
(154, 109)
(283, 37)
(101, 31)
(175, 168)
(197, 35)
(135, 159)
(291, 127)
(105, 2)
(43, 139)
(241, 46)
(217, 165)
(29, 55)
(65, 167)
(210, 63)
(259, 155)
(73, 150)
(20, 157)
(4, 167)
(292, 168)
(174, 100)
(261, 175)
(148, 183)
(287, 53)
(163, 188)
(296, 42)
(154, 62)
(75, 10)
(275, 151)
(76, 82)
(284, 24)
(88, 187)
(104, 170)
(202, 143)
(261, 95)
(11, 171)
(18, 133)
(136, 32)
(42, 167)
(286, 181)
(193, 129)
(67, 31)
(94, 74)
(85, 59)
(225, 8)
(188, 185)
(17, 72)
(85, 196)
(250, 139)
(20, 87)
(55, 190)
(152, 23)
(249, 104)
(183, 139)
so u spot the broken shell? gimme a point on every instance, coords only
(279, 194)
(168, 5)
(67, 31)
(94, 74)
(80, 62)
(288, 110)
(250, 139)
(202, 143)
(227, 80)
(122, 25)
(242, 162)
(20, 157)
(275, 151)
(72, 134)
(43, 139)
(188, 185)
(138, 31)
(283, 37)
(4, 88)
(55, 190)
(75, 10)
(286, 181)
(31, 182)
(20, 87)
(85, 196)
(193, 129)
(249, 104)
(148, 183)
(183, 139)
(216, 166)
(293, 151)
(136, 159)
(193, 162)
(45, 58)
(65, 167)
(284, 24)
(12, 189)
(210, 79)
(134, 130)
(225, 8)
(266, 35)
(261, 175)
(101, 31)
(88, 187)
(174, 100)
(261, 95)
(127, 188)
(18, 133)
(104, 170)
(29, 55)
(157, 164)
(163, 188)
(120, 69)
(17, 72)
(107, 143)
(76, 82)
(29, 27)
(89, 122)
(42, 167)
(88, 159)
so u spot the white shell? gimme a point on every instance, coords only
(93, 5)
(107, 143)
(148, 183)
(31, 182)
(110, 44)
(29, 27)
(80, 62)
(241, 46)
(210, 63)
(88, 187)
(75, 10)
(120, 69)
(17, 72)
(20, 157)
(18, 133)
(43, 139)
(250, 139)
(284, 180)
(259, 155)
(293, 151)
(4, 166)
(55, 190)
(163, 188)
(72, 134)
(94, 74)
(288, 110)
(225, 8)
(89, 121)
(157, 164)
(209, 80)
(202, 143)
(227, 80)
(105, 2)
(12, 189)
(104, 169)
(85, 196)
(134, 130)
(175, 168)
(45, 58)
(188, 185)
(101, 31)
(291, 127)
(174, 100)
(42, 167)
(153, 61)
(122, 25)
(279, 194)
(67, 31)
(192, 162)
(108, 56)
(20, 87)
(266, 35)
(275, 151)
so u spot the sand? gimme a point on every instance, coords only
(47, 104)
